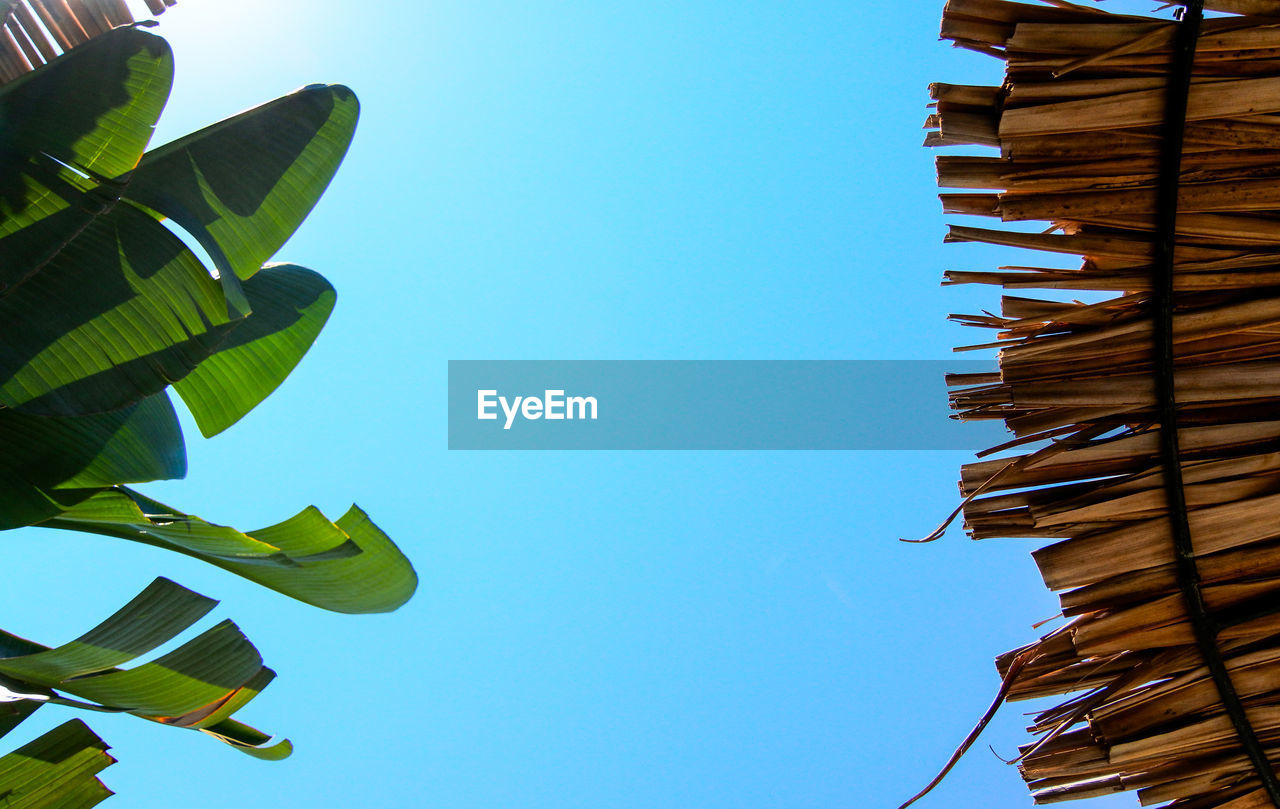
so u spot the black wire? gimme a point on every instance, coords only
(1204, 626)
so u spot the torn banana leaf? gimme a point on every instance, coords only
(348, 565)
(125, 310)
(197, 685)
(56, 771)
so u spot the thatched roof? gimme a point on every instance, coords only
(1165, 541)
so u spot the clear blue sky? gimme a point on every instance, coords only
(590, 180)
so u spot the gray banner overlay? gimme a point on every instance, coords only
(710, 405)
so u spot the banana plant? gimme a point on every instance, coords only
(102, 310)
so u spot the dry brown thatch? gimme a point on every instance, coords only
(1078, 124)
(36, 31)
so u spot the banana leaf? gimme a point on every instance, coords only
(138, 443)
(242, 186)
(56, 771)
(290, 306)
(65, 131)
(197, 685)
(125, 310)
(348, 565)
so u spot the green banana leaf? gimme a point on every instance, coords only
(147, 446)
(197, 685)
(290, 305)
(250, 741)
(64, 131)
(138, 443)
(56, 771)
(26, 504)
(13, 714)
(219, 712)
(122, 312)
(346, 566)
(156, 615)
(101, 308)
(204, 671)
(242, 186)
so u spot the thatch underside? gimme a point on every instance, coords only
(1073, 139)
